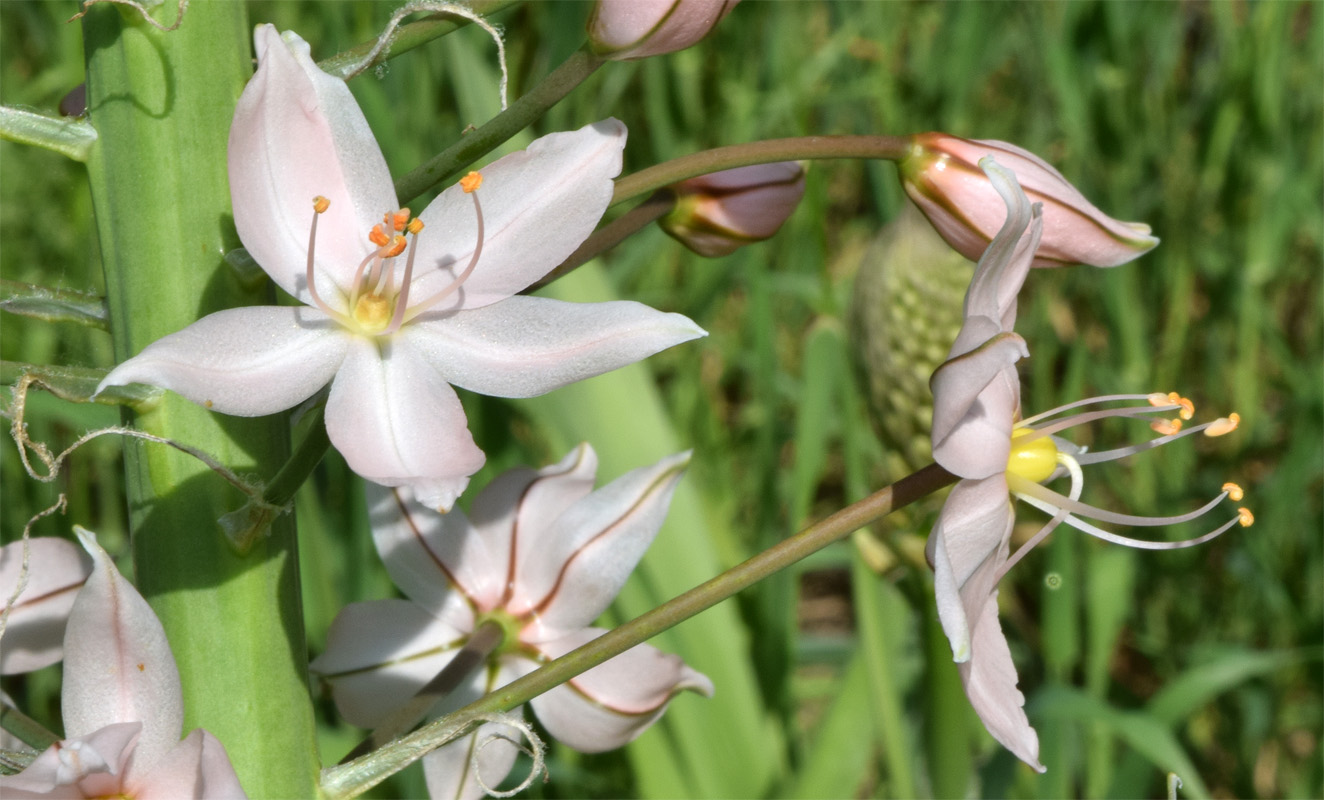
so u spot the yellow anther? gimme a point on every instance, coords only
(320, 204)
(1187, 407)
(415, 225)
(1223, 425)
(1234, 491)
(1245, 518)
(470, 183)
(398, 244)
(378, 236)
(1159, 399)
(400, 219)
(1166, 427)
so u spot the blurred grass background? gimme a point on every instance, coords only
(1201, 119)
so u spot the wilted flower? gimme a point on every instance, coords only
(942, 176)
(629, 29)
(398, 307)
(719, 213)
(123, 708)
(542, 555)
(978, 435)
(34, 633)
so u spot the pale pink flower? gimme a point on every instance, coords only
(122, 706)
(34, 633)
(398, 308)
(543, 555)
(717, 214)
(978, 435)
(630, 29)
(942, 176)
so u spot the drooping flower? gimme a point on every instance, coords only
(542, 555)
(943, 178)
(978, 435)
(718, 213)
(399, 307)
(122, 706)
(629, 29)
(34, 632)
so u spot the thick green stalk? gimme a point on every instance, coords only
(162, 103)
(356, 777)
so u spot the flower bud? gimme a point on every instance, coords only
(629, 29)
(942, 175)
(716, 214)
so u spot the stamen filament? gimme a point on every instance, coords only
(419, 308)
(1139, 544)
(1130, 412)
(1050, 501)
(1089, 401)
(320, 205)
(1122, 452)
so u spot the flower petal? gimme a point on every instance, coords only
(380, 653)
(976, 398)
(438, 560)
(968, 545)
(298, 133)
(197, 768)
(614, 702)
(88, 766)
(538, 205)
(569, 576)
(990, 683)
(398, 422)
(449, 769)
(527, 346)
(242, 361)
(117, 662)
(1002, 268)
(34, 635)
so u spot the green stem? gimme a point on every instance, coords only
(890, 148)
(484, 641)
(356, 777)
(162, 103)
(282, 488)
(514, 119)
(406, 38)
(612, 234)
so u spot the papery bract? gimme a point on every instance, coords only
(719, 213)
(399, 308)
(542, 554)
(122, 707)
(943, 178)
(629, 29)
(34, 633)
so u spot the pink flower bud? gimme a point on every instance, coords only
(630, 29)
(717, 214)
(943, 177)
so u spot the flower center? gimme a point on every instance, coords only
(1033, 457)
(377, 305)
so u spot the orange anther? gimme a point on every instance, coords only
(400, 219)
(378, 236)
(1223, 425)
(1166, 427)
(415, 225)
(397, 247)
(1159, 399)
(470, 183)
(320, 204)
(1245, 518)
(1187, 407)
(1234, 491)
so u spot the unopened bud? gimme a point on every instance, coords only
(942, 176)
(717, 214)
(629, 29)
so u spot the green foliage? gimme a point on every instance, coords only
(1203, 120)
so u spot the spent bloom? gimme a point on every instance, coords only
(34, 631)
(122, 706)
(398, 307)
(629, 29)
(979, 435)
(719, 213)
(942, 176)
(542, 555)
